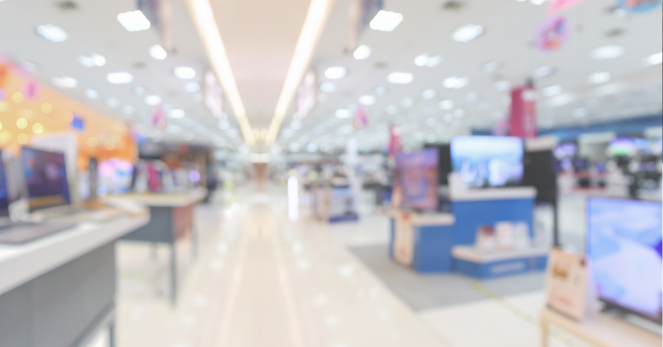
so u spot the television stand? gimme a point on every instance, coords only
(601, 330)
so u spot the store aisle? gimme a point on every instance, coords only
(262, 280)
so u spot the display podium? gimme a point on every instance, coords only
(422, 241)
(474, 263)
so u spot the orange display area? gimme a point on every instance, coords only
(29, 109)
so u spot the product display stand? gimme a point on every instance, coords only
(59, 291)
(472, 262)
(172, 219)
(601, 330)
(334, 203)
(422, 241)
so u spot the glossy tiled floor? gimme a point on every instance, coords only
(263, 280)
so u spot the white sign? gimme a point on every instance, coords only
(566, 283)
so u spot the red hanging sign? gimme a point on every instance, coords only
(522, 119)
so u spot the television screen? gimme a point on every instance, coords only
(115, 176)
(46, 178)
(624, 247)
(488, 161)
(4, 192)
(565, 150)
(416, 175)
(622, 147)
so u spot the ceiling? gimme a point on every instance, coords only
(93, 28)
(633, 90)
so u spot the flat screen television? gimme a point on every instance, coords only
(624, 248)
(417, 178)
(4, 190)
(488, 161)
(622, 147)
(45, 178)
(115, 176)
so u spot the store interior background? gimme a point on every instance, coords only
(265, 104)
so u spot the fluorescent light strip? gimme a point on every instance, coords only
(216, 52)
(316, 18)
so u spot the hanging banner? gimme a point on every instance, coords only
(560, 5)
(552, 33)
(360, 14)
(639, 6)
(522, 119)
(361, 118)
(395, 145)
(159, 118)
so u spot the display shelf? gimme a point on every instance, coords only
(601, 330)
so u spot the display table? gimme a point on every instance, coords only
(334, 203)
(601, 330)
(59, 291)
(422, 241)
(172, 219)
(475, 263)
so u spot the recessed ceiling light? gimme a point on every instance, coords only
(654, 59)
(328, 87)
(65, 82)
(133, 21)
(492, 66)
(538, 2)
(400, 77)
(455, 82)
(184, 72)
(367, 100)
(91, 94)
(599, 77)
(552, 90)
(120, 77)
(112, 102)
(386, 21)
(503, 86)
(157, 52)
(446, 104)
(52, 33)
(380, 90)
(427, 60)
(92, 60)
(407, 102)
(428, 94)
(176, 114)
(191, 87)
(152, 100)
(343, 113)
(467, 33)
(608, 52)
(543, 71)
(335, 72)
(362, 52)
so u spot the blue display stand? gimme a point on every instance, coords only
(471, 262)
(427, 241)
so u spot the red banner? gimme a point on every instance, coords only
(522, 119)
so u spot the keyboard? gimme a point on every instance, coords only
(20, 233)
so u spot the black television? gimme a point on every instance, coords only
(46, 181)
(540, 172)
(443, 162)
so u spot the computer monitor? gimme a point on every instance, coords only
(4, 191)
(416, 176)
(45, 178)
(488, 161)
(624, 248)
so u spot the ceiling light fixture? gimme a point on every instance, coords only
(455, 82)
(367, 100)
(427, 60)
(152, 100)
(328, 87)
(428, 94)
(362, 52)
(654, 59)
(133, 21)
(91, 94)
(316, 18)
(157, 52)
(552, 91)
(216, 53)
(184, 72)
(608, 52)
(120, 77)
(52, 33)
(543, 71)
(176, 114)
(65, 82)
(191, 87)
(599, 77)
(92, 60)
(386, 21)
(467, 33)
(343, 113)
(335, 72)
(400, 77)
